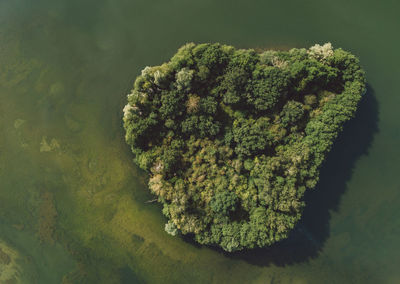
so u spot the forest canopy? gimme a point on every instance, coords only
(232, 138)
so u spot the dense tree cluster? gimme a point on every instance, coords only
(232, 138)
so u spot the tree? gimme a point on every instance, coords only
(291, 113)
(267, 87)
(171, 228)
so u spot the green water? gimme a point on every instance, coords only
(72, 204)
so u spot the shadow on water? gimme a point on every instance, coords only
(309, 236)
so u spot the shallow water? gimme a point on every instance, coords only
(72, 204)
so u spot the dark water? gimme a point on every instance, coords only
(73, 206)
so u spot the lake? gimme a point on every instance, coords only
(72, 203)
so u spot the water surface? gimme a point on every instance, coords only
(72, 204)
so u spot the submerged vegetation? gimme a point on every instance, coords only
(9, 268)
(233, 138)
(47, 218)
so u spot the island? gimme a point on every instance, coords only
(233, 138)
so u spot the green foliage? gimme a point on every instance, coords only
(267, 87)
(171, 228)
(223, 202)
(251, 136)
(291, 113)
(232, 139)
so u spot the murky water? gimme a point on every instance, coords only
(72, 204)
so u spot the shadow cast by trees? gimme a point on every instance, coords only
(310, 234)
